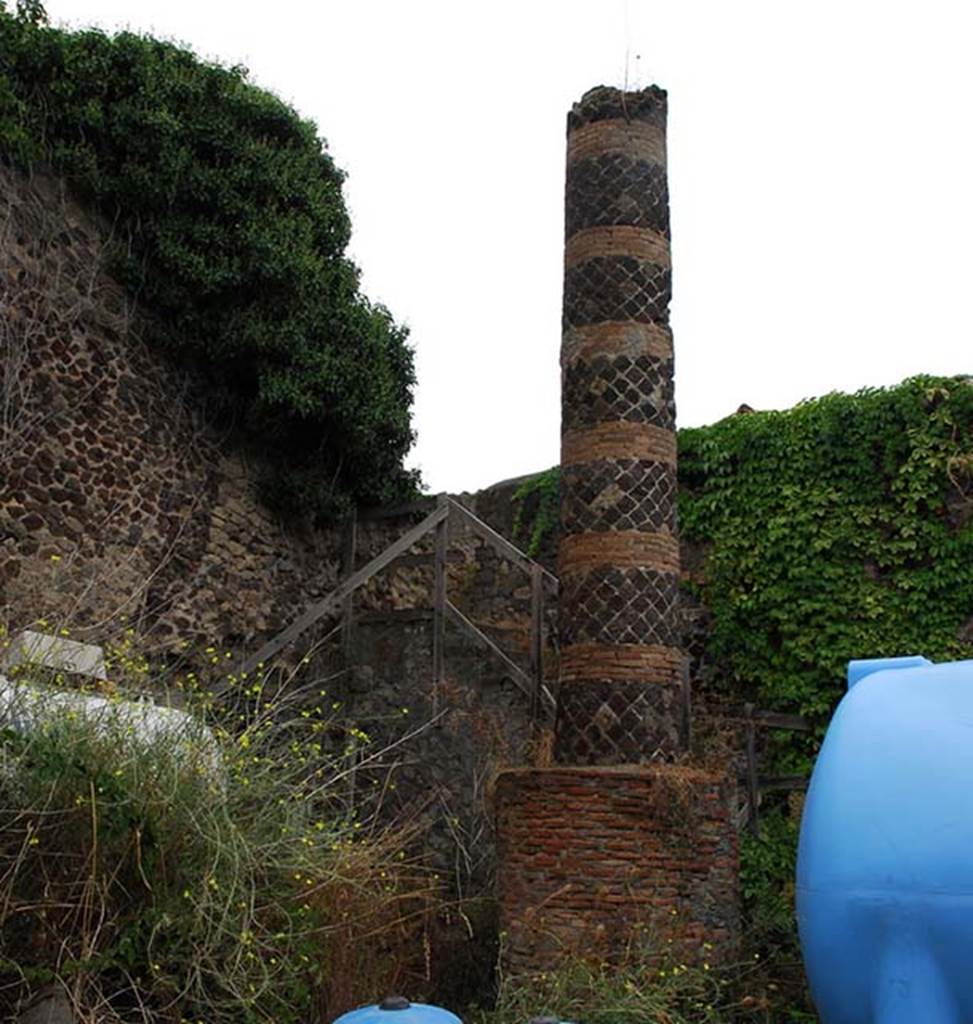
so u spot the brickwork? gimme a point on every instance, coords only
(594, 858)
(622, 695)
(618, 846)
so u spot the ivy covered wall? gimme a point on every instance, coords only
(839, 529)
(842, 528)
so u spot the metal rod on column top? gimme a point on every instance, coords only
(753, 783)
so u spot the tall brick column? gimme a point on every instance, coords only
(615, 848)
(622, 698)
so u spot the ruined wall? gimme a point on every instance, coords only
(117, 498)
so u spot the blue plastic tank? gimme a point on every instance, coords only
(885, 861)
(397, 1010)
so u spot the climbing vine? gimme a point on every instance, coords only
(839, 529)
(842, 528)
(537, 515)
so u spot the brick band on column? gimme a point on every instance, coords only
(621, 681)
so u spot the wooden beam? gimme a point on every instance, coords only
(536, 639)
(519, 676)
(777, 720)
(753, 789)
(345, 587)
(349, 551)
(439, 613)
(501, 544)
(784, 782)
(772, 719)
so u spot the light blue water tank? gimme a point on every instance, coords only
(397, 1010)
(885, 862)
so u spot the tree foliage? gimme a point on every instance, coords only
(234, 231)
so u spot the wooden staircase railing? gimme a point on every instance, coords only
(531, 681)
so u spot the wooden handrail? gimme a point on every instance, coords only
(501, 544)
(345, 587)
(770, 719)
(519, 676)
(531, 683)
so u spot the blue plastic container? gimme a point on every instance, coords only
(396, 1010)
(885, 862)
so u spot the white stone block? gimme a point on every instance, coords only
(26, 707)
(56, 653)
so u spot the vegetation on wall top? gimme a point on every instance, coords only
(234, 233)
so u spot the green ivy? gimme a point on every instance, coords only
(233, 230)
(839, 529)
(538, 503)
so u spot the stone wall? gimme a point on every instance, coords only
(118, 499)
(122, 507)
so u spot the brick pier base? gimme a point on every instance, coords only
(594, 859)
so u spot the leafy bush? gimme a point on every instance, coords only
(639, 990)
(233, 231)
(155, 884)
(538, 503)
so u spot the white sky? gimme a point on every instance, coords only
(820, 171)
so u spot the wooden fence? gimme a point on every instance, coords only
(754, 782)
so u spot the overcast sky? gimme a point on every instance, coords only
(820, 171)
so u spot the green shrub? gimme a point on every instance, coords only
(538, 503)
(233, 231)
(640, 990)
(158, 884)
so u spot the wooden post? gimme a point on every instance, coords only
(753, 792)
(336, 597)
(348, 554)
(536, 640)
(439, 612)
(687, 704)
